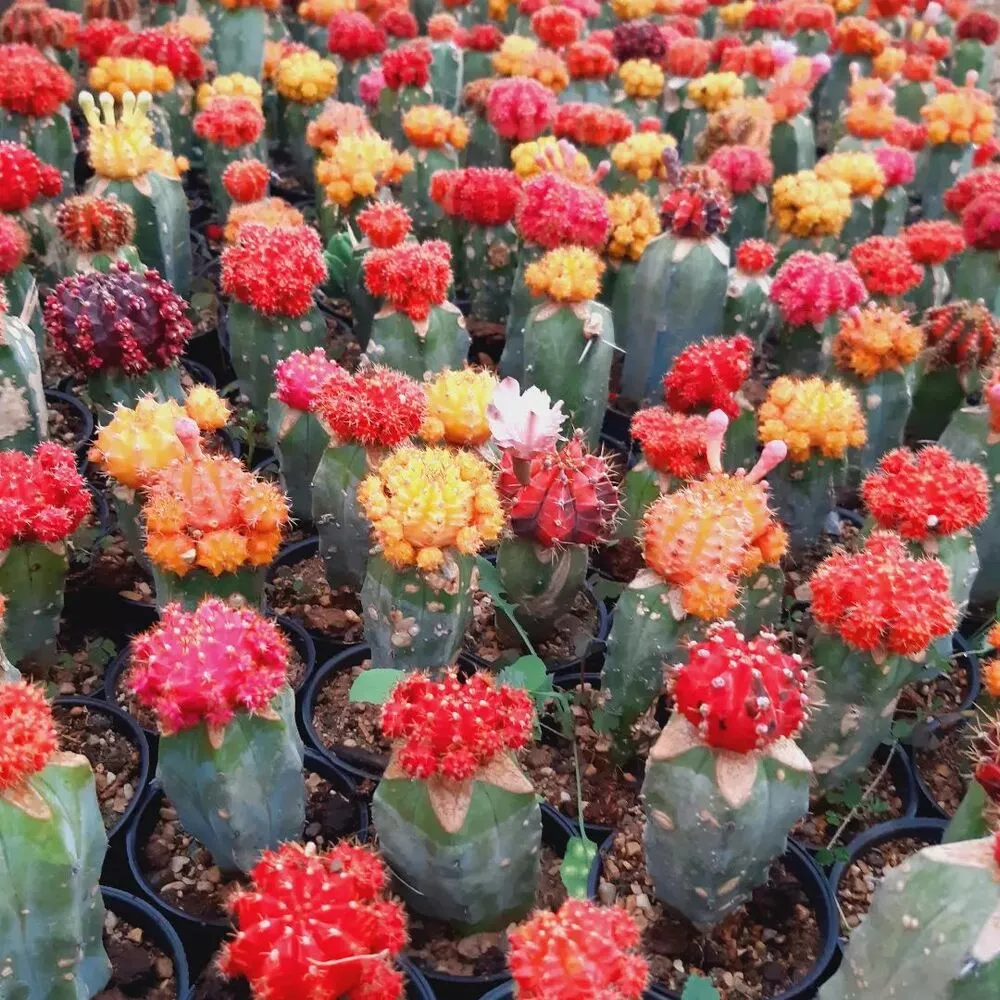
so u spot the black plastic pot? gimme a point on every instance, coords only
(86, 432)
(140, 914)
(296, 634)
(927, 804)
(202, 936)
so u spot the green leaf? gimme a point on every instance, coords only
(489, 582)
(833, 818)
(528, 673)
(902, 730)
(374, 685)
(699, 988)
(575, 868)
(824, 856)
(853, 795)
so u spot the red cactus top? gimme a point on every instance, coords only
(43, 497)
(741, 693)
(519, 108)
(581, 952)
(591, 124)
(675, 444)
(13, 244)
(353, 35)
(300, 378)
(926, 493)
(317, 925)
(707, 375)
(163, 48)
(480, 38)
(29, 733)
(556, 27)
(695, 212)
(206, 665)
(886, 265)
(95, 225)
(881, 598)
(971, 186)
(638, 39)
(981, 222)
(385, 223)
(452, 729)
(588, 60)
(407, 66)
(556, 212)
(414, 277)
(570, 497)
(811, 287)
(481, 196)
(743, 168)
(755, 256)
(979, 25)
(961, 333)
(230, 122)
(24, 178)
(898, 165)
(246, 180)
(399, 23)
(96, 37)
(31, 84)
(933, 241)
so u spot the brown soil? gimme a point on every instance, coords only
(944, 767)
(185, 874)
(212, 985)
(65, 424)
(139, 968)
(882, 803)
(620, 562)
(862, 877)
(757, 952)
(570, 639)
(81, 662)
(341, 723)
(114, 758)
(302, 592)
(435, 945)
(114, 568)
(940, 696)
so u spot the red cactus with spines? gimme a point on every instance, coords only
(385, 224)
(163, 48)
(317, 925)
(696, 212)
(898, 165)
(810, 287)
(981, 222)
(580, 952)
(933, 241)
(208, 664)
(407, 66)
(569, 498)
(399, 22)
(757, 59)
(35, 23)
(764, 17)
(966, 189)
(300, 378)
(638, 39)
(520, 109)
(96, 37)
(376, 407)
(91, 224)
(586, 60)
(480, 38)
(707, 375)
(353, 36)
(31, 84)
(24, 178)
(961, 333)
(556, 27)
(442, 28)
(978, 25)
(43, 497)
(741, 694)
(674, 444)
(414, 277)
(480, 196)
(743, 168)
(588, 124)
(881, 598)
(246, 180)
(810, 17)
(14, 244)
(755, 257)
(230, 122)
(689, 57)
(454, 729)
(555, 212)
(886, 266)
(29, 733)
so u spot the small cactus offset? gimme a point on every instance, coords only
(457, 819)
(877, 612)
(749, 309)
(230, 129)
(51, 913)
(24, 422)
(230, 756)
(431, 511)
(725, 782)
(335, 901)
(932, 929)
(95, 233)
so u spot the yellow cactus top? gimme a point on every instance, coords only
(429, 126)
(497, 9)
(634, 222)
(230, 85)
(630, 10)
(844, 7)
(358, 166)
(118, 74)
(456, 407)
(641, 78)
(138, 442)
(320, 11)
(876, 339)
(733, 15)
(306, 77)
(811, 415)
(641, 155)
(424, 501)
(806, 206)
(123, 149)
(566, 274)
(860, 171)
(715, 90)
(514, 56)
(549, 154)
(965, 116)
(889, 62)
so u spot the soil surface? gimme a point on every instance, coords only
(944, 767)
(80, 664)
(302, 592)
(139, 968)
(862, 877)
(620, 562)
(66, 424)
(938, 697)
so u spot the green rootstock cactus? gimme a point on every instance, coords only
(238, 37)
(230, 754)
(725, 782)
(23, 415)
(340, 523)
(933, 930)
(419, 347)
(461, 829)
(51, 913)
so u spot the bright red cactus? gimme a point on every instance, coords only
(688, 57)
(587, 60)
(581, 952)
(300, 378)
(274, 269)
(707, 375)
(31, 84)
(556, 27)
(377, 407)
(480, 38)
(96, 37)
(757, 59)
(29, 733)
(35, 23)
(414, 277)
(163, 48)
(24, 178)
(569, 498)
(353, 35)
(812, 287)
(674, 444)
(981, 222)
(886, 265)
(741, 694)
(208, 664)
(14, 244)
(898, 165)
(933, 241)
(399, 23)
(970, 187)
(230, 122)
(43, 497)
(638, 40)
(764, 17)
(520, 109)
(385, 223)
(317, 925)
(442, 28)
(961, 333)
(556, 212)
(743, 168)
(927, 493)
(481, 196)
(407, 66)
(695, 212)
(979, 25)
(881, 598)
(755, 256)
(246, 180)
(810, 17)
(591, 124)
(95, 225)
(453, 729)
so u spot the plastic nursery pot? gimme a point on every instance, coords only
(556, 832)
(927, 803)
(117, 668)
(84, 418)
(203, 935)
(969, 663)
(140, 914)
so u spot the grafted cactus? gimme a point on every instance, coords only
(749, 309)
(230, 129)
(22, 397)
(230, 755)
(94, 234)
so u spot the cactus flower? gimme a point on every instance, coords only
(524, 424)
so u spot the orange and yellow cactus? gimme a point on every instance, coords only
(876, 339)
(320, 11)
(963, 117)
(424, 501)
(547, 153)
(456, 407)
(634, 222)
(230, 85)
(118, 74)
(305, 77)
(429, 126)
(860, 171)
(358, 166)
(642, 79)
(566, 274)
(641, 155)
(514, 56)
(805, 205)
(714, 91)
(812, 416)
(273, 212)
